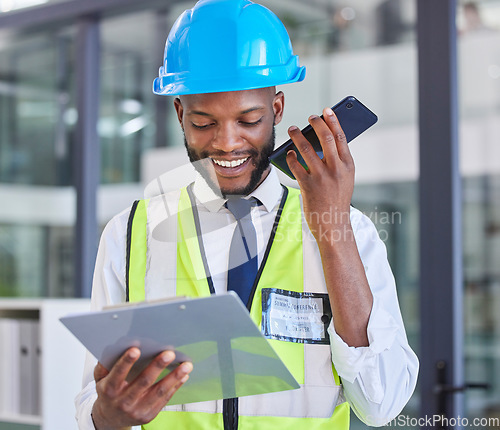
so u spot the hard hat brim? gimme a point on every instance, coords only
(174, 85)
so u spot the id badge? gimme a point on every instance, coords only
(295, 317)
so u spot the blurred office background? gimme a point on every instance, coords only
(367, 48)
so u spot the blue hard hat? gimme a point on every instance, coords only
(226, 45)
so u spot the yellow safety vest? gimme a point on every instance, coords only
(282, 268)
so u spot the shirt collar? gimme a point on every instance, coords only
(268, 193)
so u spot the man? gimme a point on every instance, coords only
(223, 59)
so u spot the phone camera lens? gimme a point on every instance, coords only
(349, 105)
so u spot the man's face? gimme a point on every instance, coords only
(233, 133)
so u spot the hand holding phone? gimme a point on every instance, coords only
(354, 118)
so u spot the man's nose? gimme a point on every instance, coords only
(227, 138)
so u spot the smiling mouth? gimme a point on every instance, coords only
(230, 164)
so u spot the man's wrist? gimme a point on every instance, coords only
(98, 421)
(102, 427)
(333, 236)
(93, 415)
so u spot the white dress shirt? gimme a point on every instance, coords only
(378, 379)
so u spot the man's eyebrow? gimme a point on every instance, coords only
(198, 112)
(251, 109)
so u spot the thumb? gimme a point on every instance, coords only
(295, 167)
(100, 372)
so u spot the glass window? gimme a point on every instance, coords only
(37, 108)
(127, 120)
(479, 76)
(38, 117)
(37, 127)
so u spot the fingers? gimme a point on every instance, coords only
(162, 391)
(147, 378)
(306, 151)
(333, 143)
(121, 368)
(167, 387)
(338, 147)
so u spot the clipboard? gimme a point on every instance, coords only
(230, 356)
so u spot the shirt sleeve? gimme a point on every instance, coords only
(378, 379)
(108, 288)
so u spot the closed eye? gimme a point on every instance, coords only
(250, 124)
(200, 127)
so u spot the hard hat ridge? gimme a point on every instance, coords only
(226, 45)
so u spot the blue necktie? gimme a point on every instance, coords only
(243, 264)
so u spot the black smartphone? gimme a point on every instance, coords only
(354, 118)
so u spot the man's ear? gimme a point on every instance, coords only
(278, 106)
(179, 109)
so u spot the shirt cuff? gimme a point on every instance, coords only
(361, 363)
(84, 404)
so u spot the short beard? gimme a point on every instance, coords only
(259, 159)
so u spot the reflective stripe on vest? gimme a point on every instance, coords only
(319, 403)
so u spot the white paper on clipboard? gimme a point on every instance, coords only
(230, 356)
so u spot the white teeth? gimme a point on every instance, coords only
(233, 163)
